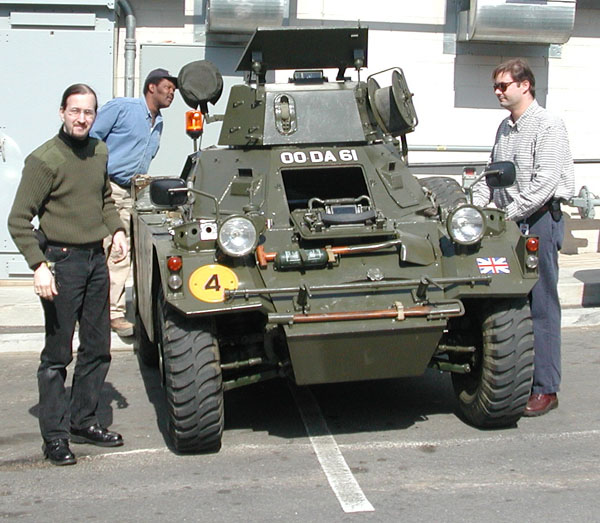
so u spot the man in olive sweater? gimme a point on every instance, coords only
(66, 186)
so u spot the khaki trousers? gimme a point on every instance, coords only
(119, 272)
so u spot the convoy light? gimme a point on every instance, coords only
(237, 236)
(466, 225)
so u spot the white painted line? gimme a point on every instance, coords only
(130, 452)
(458, 442)
(341, 480)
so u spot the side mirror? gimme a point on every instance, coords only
(162, 194)
(499, 175)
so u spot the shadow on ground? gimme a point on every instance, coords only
(155, 393)
(380, 405)
(591, 286)
(108, 396)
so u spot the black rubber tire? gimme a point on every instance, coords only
(447, 192)
(495, 393)
(192, 381)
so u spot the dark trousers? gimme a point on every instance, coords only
(82, 281)
(545, 306)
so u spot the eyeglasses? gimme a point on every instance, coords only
(76, 111)
(503, 86)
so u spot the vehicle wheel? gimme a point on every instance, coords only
(495, 392)
(447, 192)
(192, 380)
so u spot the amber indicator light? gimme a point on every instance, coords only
(194, 124)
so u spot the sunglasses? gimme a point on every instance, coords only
(503, 86)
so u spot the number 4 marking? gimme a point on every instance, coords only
(213, 283)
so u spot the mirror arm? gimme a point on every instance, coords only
(201, 193)
(484, 173)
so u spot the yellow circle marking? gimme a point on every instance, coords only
(209, 282)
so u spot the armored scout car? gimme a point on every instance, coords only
(303, 247)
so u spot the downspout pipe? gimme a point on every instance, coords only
(129, 47)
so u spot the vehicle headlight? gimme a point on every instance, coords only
(466, 225)
(237, 236)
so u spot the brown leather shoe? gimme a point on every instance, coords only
(539, 404)
(122, 327)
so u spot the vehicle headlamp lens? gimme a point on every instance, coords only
(466, 225)
(237, 236)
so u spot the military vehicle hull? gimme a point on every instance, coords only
(313, 253)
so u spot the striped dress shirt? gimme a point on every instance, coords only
(538, 145)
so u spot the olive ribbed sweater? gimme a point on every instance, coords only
(65, 184)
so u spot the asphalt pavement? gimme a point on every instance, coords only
(377, 451)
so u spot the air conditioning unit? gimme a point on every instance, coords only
(242, 17)
(521, 21)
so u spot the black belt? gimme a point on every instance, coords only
(94, 246)
(552, 205)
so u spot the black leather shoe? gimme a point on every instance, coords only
(58, 452)
(97, 435)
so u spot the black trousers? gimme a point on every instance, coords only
(82, 280)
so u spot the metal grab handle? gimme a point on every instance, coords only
(338, 201)
(2, 152)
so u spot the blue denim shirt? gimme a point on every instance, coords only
(125, 124)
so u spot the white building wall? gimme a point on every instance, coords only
(390, 11)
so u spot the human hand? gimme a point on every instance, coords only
(44, 284)
(119, 247)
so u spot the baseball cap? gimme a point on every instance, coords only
(156, 75)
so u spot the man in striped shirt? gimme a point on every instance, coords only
(537, 143)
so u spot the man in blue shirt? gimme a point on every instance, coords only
(131, 128)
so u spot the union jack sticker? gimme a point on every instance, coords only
(493, 266)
